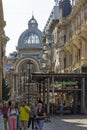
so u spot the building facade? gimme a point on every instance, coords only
(64, 51)
(71, 35)
(68, 38)
(64, 48)
(3, 41)
(23, 62)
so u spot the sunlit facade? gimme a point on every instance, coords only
(71, 40)
(66, 38)
(64, 50)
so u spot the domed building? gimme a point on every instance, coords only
(24, 61)
(30, 39)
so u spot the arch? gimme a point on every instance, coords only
(24, 59)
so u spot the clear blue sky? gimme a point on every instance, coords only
(17, 14)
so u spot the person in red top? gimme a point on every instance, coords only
(5, 114)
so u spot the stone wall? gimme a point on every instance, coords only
(3, 41)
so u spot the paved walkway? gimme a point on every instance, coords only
(71, 122)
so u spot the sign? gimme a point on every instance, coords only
(66, 83)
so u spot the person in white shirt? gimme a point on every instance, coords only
(12, 117)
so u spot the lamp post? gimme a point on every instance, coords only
(29, 68)
(51, 47)
(24, 81)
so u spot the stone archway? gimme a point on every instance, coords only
(21, 76)
(20, 61)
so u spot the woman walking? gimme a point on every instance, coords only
(40, 116)
(12, 117)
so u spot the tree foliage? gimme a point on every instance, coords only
(5, 90)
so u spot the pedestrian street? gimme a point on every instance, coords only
(66, 122)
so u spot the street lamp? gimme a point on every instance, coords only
(29, 68)
(51, 47)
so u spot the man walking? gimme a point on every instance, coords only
(24, 111)
(32, 116)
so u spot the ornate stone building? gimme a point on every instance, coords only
(68, 39)
(48, 39)
(71, 40)
(24, 61)
(3, 41)
(65, 45)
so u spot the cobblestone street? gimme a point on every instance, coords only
(70, 122)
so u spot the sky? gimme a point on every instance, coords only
(17, 13)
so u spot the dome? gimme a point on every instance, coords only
(31, 37)
(32, 21)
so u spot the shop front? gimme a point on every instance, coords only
(67, 89)
(68, 93)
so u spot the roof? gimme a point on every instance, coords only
(24, 41)
(59, 76)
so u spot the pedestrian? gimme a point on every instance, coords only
(24, 111)
(17, 107)
(40, 116)
(12, 116)
(35, 122)
(32, 115)
(5, 114)
(61, 109)
(1, 116)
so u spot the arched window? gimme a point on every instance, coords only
(32, 39)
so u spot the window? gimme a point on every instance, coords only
(64, 38)
(32, 39)
(33, 21)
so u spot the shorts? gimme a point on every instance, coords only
(23, 124)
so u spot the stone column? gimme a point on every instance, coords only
(48, 98)
(83, 49)
(83, 96)
(0, 84)
(44, 92)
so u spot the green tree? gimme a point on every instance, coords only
(5, 90)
